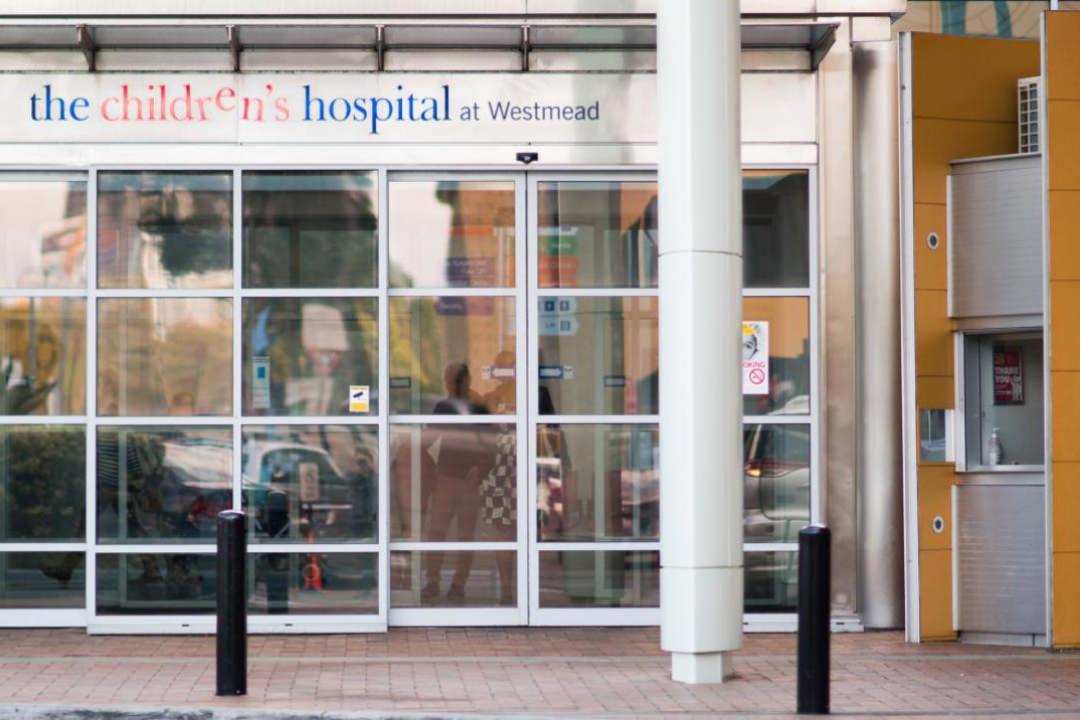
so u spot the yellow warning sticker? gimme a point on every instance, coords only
(359, 399)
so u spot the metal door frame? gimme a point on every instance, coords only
(468, 616)
(573, 616)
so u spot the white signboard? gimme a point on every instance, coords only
(755, 365)
(328, 108)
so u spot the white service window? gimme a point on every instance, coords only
(1003, 399)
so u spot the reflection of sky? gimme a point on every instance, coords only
(28, 211)
(431, 224)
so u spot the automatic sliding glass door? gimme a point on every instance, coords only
(594, 404)
(457, 426)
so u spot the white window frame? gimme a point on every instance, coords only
(205, 622)
(525, 293)
(786, 622)
(468, 616)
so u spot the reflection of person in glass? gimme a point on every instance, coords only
(498, 487)
(460, 461)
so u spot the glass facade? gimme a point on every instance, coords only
(304, 344)
(779, 411)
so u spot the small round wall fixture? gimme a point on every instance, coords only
(933, 241)
(938, 524)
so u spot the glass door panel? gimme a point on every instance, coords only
(457, 427)
(594, 402)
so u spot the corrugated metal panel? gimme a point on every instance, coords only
(995, 240)
(1001, 558)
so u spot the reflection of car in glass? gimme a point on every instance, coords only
(158, 484)
(776, 505)
(776, 482)
(296, 492)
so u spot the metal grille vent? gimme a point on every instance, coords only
(1027, 99)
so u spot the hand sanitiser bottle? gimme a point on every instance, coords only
(995, 447)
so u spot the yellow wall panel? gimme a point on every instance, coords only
(969, 77)
(964, 105)
(938, 142)
(934, 393)
(1064, 170)
(931, 268)
(933, 334)
(1065, 301)
(935, 595)
(1066, 507)
(1065, 415)
(1064, 226)
(1066, 609)
(1063, 78)
(1063, 156)
(935, 499)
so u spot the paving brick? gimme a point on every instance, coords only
(582, 671)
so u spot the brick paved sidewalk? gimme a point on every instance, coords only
(533, 672)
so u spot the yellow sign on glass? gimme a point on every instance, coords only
(359, 399)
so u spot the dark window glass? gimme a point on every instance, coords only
(156, 584)
(771, 581)
(599, 579)
(42, 581)
(453, 579)
(310, 229)
(162, 484)
(42, 483)
(311, 483)
(277, 583)
(776, 229)
(313, 583)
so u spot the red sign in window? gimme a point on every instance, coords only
(1008, 375)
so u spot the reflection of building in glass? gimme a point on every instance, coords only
(164, 230)
(995, 18)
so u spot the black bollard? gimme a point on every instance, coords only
(814, 571)
(231, 604)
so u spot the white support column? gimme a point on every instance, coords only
(701, 576)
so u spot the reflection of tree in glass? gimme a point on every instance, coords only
(193, 228)
(42, 491)
(412, 320)
(309, 230)
(155, 229)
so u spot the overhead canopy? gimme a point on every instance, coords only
(813, 38)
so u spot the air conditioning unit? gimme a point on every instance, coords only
(1028, 91)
